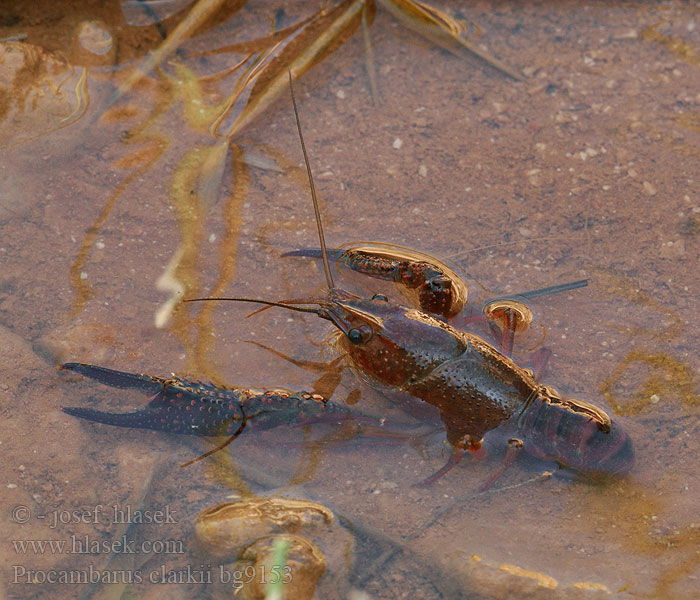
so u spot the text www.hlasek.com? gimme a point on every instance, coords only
(86, 545)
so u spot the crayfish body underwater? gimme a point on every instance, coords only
(476, 387)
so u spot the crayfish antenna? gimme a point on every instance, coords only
(257, 301)
(314, 197)
(321, 238)
(219, 447)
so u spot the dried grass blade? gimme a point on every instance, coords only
(442, 29)
(244, 85)
(298, 65)
(369, 57)
(258, 44)
(200, 12)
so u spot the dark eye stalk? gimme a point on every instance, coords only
(361, 334)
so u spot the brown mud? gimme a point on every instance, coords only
(588, 168)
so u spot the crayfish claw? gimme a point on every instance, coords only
(116, 379)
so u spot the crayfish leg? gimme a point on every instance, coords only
(502, 329)
(540, 359)
(330, 372)
(455, 459)
(515, 445)
(466, 445)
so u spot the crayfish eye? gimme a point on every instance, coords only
(381, 297)
(357, 335)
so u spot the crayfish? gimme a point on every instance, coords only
(412, 349)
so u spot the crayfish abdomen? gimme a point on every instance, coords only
(577, 435)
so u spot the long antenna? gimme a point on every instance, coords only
(324, 253)
(258, 301)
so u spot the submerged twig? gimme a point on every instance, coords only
(197, 16)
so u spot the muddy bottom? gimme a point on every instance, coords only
(120, 194)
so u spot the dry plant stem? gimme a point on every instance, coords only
(442, 29)
(369, 59)
(200, 12)
(298, 66)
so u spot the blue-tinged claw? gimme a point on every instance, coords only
(176, 409)
(117, 379)
(192, 407)
(314, 253)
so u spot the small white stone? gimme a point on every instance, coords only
(340, 94)
(397, 143)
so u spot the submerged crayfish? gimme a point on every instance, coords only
(475, 386)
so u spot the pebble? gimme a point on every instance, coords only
(94, 37)
(672, 249)
(649, 189)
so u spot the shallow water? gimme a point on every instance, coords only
(586, 169)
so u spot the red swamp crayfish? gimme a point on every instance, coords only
(475, 386)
